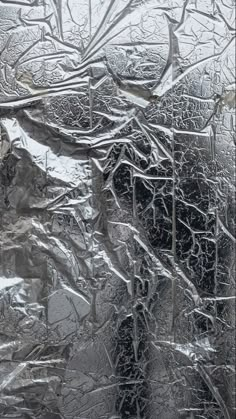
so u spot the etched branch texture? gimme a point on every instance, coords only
(117, 209)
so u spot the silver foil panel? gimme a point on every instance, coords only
(117, 209)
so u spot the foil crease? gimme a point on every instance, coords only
(117, 182)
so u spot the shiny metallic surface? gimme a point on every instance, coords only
(117, 235)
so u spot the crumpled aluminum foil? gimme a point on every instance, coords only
(117, 234)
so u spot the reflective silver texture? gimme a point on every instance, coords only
(117, 208)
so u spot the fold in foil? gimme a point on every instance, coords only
(117, 154)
